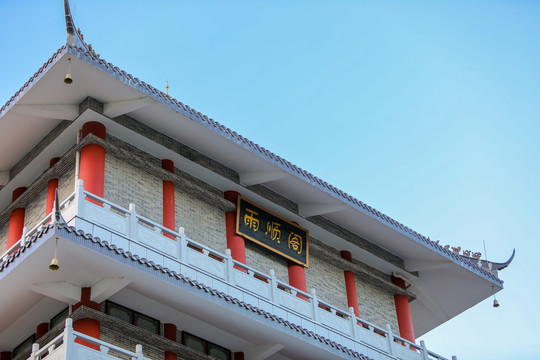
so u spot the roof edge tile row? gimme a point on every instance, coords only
(215, 126)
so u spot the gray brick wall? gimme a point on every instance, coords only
(4, 237)
(202, 221)
(327, 280)
(125, 184)
(263, 260)
(66, 183)
(35, 211)
(376, 305)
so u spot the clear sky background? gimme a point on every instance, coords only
(428, 111)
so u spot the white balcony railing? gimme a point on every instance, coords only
(147, 239)
(64, 347)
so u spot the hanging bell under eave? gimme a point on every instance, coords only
(54, 265)
(495, 303)
(68, 79)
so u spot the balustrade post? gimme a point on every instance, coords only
(79, 198)
(138, 351)
(69, 338)
(35, 349)
(182, 245)
(425, 355)
(352, 316)
(132, 220)
(315, 305)
(390, 337)
(273, 285)
(23, 236)
(230, 265)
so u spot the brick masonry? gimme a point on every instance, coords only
(4, 237)
(125, 184)
(376, 305)
(132, 176)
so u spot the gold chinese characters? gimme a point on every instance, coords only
(250, 220)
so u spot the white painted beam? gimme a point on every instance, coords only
(61, 291)
(262, 351)
(433, 306)
(425, 265)
(107, 287)
(4, 177)
(260, 177)
(117, 108)
(52, 111)
(307, 210)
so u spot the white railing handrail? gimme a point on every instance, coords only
(29, 233)
(310, 297)
(185, 244)
(67, 339)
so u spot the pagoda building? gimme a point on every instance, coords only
(135, 227)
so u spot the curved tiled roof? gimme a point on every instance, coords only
(91, 57)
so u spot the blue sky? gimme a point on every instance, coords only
(427, 111)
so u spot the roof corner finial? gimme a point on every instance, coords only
(167, 87)
(73, 37)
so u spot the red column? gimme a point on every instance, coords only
(87, 326)
(350, 285)
(92, 164)
(5, 355)
(238, 356)
(403, 312)
(235, 242)
(16, 220)
(41, 330)
(168, 197)
(51, 188)
(297, 276)
(169, 332)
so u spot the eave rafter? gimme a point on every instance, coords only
(51, 111)
(307, 210)
(117, 108)
(260, 177)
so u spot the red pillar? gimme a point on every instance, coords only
(403, 312)
(90, 327)
(297, 276)
(92, 164)
(238, 356)
(235, 242)
(51, 188)
(350, 285)
(41, 330)
(5, 355)
(169, 332)
(168, 197)
(16, 220)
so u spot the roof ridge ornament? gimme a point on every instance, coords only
(73, 37)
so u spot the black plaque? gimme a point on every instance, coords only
(272, 231)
